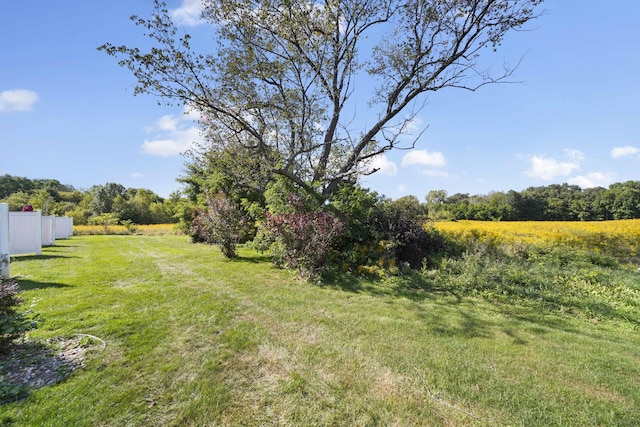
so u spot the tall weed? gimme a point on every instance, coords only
(561, 279)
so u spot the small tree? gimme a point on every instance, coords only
(223, 223)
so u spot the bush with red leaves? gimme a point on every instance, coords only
(302, 239)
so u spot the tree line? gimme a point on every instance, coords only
(99, 204)
(556, 202)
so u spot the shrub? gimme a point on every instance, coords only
(302, 240)
(409, 240)
(356, 230)
(13, 323)
(358, 206)
(222, 224)
(104, 220)
(382, 233)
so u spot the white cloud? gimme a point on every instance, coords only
(189, 13)
(163, 147)
(17, 100)
(402, 188)
(590, 180)
(424, 158)
(547, 168)
(384, 165)
(168, 122)
(174, 136)
(191, 114)
(624, 151)
(575, 155)
(137, 175)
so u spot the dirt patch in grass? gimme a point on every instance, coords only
(31, 365)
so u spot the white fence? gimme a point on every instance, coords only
(26, 232)
(4, 240)
(64, 227)
(48, 230)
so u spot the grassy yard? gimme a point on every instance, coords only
(194, 339)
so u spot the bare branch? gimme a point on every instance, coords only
(282, 74)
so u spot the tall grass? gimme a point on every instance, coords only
(620, 238)
(147, 230)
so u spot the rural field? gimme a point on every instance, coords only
(540, 329)
(620, 238)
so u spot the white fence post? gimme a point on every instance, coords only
(4, 240)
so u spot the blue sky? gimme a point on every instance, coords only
(68, 112)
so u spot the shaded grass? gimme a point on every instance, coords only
(194, 339)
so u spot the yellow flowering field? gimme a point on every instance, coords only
(619, 238)
(151, 229)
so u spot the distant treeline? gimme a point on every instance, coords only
(114, 203)
(557, 202)
(100, 204)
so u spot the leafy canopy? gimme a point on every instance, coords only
(316, 89)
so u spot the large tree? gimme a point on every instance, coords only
(316, 89)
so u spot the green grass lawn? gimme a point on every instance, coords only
(194, 339)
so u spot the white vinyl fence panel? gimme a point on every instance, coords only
(25, 233)
(69, 226)
(64, 227)
(48, 230)
(4, 241)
